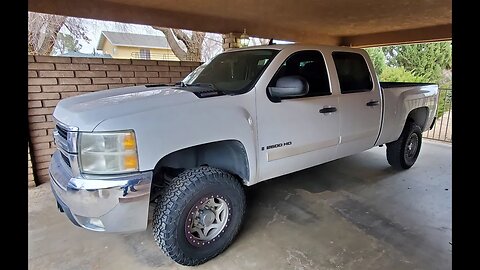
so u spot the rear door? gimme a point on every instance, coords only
(359, 102)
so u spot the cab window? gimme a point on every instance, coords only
(353, 73)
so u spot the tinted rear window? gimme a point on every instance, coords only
(353, 73)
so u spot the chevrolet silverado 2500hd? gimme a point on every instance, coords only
(246, 116)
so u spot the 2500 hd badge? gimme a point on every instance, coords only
(276, 145)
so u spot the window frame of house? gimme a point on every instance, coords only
(145, 54)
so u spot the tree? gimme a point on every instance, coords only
(427, 60)
(43, 30)
(378, 59)
(212, 46)
(197, 46)
(193, 43)
(66, 43)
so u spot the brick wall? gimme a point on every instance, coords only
(231, 41)
(52, 78)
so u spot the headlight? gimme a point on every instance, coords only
(108, 152)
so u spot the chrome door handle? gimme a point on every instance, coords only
(328, 110)
(373, 103)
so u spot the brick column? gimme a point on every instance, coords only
(31, 178)
(231, 40)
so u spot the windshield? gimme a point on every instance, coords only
(232, 72)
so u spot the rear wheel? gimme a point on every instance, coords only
(198, 215)
(403, 153)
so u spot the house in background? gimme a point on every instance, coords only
(135, 46)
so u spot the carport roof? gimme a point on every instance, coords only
(332, 22)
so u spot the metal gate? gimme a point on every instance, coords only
(442, 130)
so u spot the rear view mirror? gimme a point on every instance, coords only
(289, 86)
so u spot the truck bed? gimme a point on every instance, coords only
(399, 99)
(402, 84)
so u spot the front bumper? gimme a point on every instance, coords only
(114, 204)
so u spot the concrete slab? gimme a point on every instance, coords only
(353, 213)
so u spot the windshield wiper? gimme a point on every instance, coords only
(212, 87)
(209, 85)
(180, 83)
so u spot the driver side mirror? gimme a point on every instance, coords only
(289, 86)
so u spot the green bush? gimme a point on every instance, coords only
(399, 74)
(423, 59)
(444, 102)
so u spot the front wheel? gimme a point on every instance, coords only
(403, 153)
(198, 215)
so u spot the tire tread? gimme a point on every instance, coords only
(176, 196)
(395, 149)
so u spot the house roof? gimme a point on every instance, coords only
(79, 54)
(133, 40)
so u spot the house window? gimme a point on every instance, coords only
(145, 54)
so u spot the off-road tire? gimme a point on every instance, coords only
(173, 207)
(397, 151)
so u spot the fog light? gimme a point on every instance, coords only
(96, 222)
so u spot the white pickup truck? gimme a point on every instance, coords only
(246, 116)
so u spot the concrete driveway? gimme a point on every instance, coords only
(353, 213)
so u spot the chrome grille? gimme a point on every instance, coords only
(61, 140)
(67, 161)
(61, 131)
(66, 141)
(65, 137)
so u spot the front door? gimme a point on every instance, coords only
(297, 133)
(359, 104)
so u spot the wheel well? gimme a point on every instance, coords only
(418, 116)
(228, 155)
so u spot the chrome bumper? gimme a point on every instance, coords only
(118, 204)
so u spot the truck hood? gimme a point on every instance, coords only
(89, 110)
